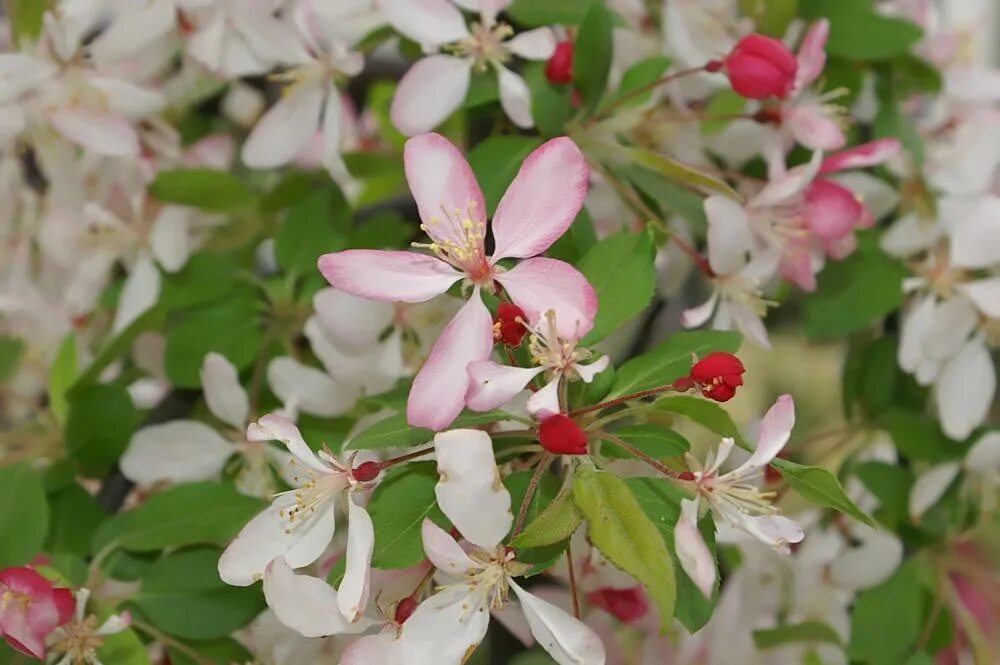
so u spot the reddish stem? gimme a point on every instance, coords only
(621, 400)
(572, 581)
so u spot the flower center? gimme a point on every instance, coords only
(459, 238)
(79, 641)
(550, 351)
(312, 497)
(485, 45)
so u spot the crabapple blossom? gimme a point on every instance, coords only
(79, 639)
(537, 208)
(436, 85)
(31, 608)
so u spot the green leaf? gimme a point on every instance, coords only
(858, 32)
(542, 557)
(74, 517)
(577, 241)
(854, 294)
(99, 424)
(61, 377)
(26, 19)
(24, 514)
(117, 347)
(382, 230)
(620, 268)
(681, 173)
(551, 103)
(707, 414)
(124, 648)
(662, 503)
(496, 161)
(398, 508)
(207, 276)
(230, 328)
(671, 360)
(821, 487)
(311, 228)
(226, 650)
(11, 350)
(640, 75)
(655, 440)
(207, 189)
(620, 529)
(184, 515)
(887, 619)
(537, 13)
(919, 437)
(807, 631)
(770, 17)
(557, 521)
(671, 199)
(183, 595)
(593, 51)
(395, 432)
(724, 103)
(891, 485)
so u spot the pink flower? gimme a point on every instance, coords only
(760, 67)
(537, 208)
(31, 608)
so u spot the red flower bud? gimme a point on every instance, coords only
(366, 471)
(508, 327)
(626, 605)
(718, 375)
(560, 435)
(559, 68)
(404, 609)
(761, 67)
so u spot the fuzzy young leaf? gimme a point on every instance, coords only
(621, 530)
(556, 522)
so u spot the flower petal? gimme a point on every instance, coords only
(270, 535)
(103, 133)
(305, 604)
(729, 238)
(545, 401)
(355, 322)
(304, 388)
(444, 187)
(541, 284)
(692, 552)
(470, 491)
(975, 239)
(985, 294)
(352, 596)
(774, 530)
(180, 451)
(965, 390)
(285, 129)
(442, 550)
(491, 385)
(814, 127)
(168, 239)
(429, 92)
(428, 22)
(370, 650)
(275, 427)
(862, 156)
(784, 188)
(388, 276)
(226, 398)
(537, 44)
(139, 294)
(444, 629)
(438, 392)
(542, 201)
(812, 54)
(515, 97)
(775, 430)
(930, 486)
(568, 640)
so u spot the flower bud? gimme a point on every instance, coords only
(626, 605)
(508, 327)
(717, 375)
(404, 609)
(761, 67)
(559, 434)
(559, 68)
(366, 471)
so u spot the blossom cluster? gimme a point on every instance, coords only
(367, 331)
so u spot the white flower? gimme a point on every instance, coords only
(436, 86)
(80, 638)
(447, 625)
(981, 467)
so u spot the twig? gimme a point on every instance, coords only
(572, 581)
(529, 494)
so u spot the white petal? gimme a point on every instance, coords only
(332, 135)
(699, 315)
(139, 294)
(309, 389)
(537, 44)
(692, 552)
(129, 99)
(274, 427)
(965, 390)
(443, 629)
(545, 401)
(429, 93)
(181, 451)
(783, 189)
(909, 235)
(285, 129)
(353, 592)
(356, 322)
(136, 27)
(985, 293)
(491, 385)
(917, 323)
(931, 486)
(870, 564)
(975, 240)
(305, 604)
(442, 550)
(425, 21)
(270, 535)
(984, 456)
(774, 530)
(728, 235)
(588, 372)
(370, 650)
(104, 133)
(748, 322)
(470, 491)
(568, 640)
(515, 98)
(224, 395)
(168, 239)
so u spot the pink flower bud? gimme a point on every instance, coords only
(761, 67)
(559, 68)
(560, 435)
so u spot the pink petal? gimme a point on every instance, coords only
(388, 276)
(425, 21)
(285, 129)
(430, 92)
(796, 265)
(438, 392)
(812, 54)
(812, 126)
(540, 284)
(775, 430)
(492, 385)
(832, 209)
(542, 201)
(444, 188)
(862, 156)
